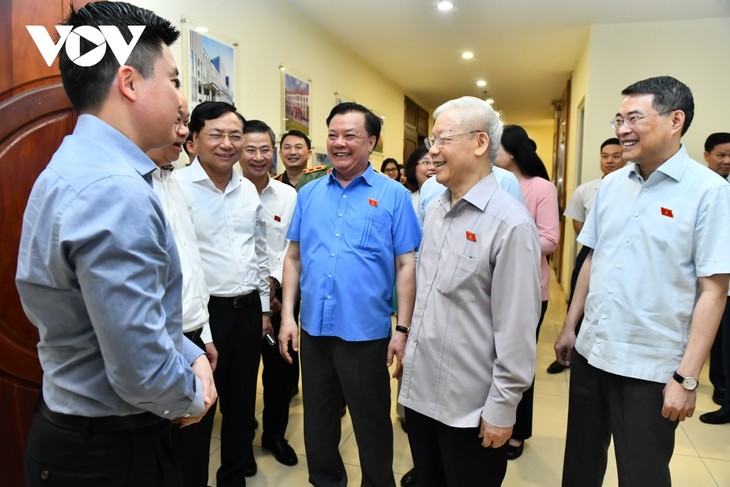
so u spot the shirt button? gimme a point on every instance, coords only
(337, 234)
(332, 254)
(619, 266)
(329, 296)
(636, 214)
(628, 240)
(603, 317)
(329, 275)
(339, 214)
(45, 475)
(610, 291)
(344, 196)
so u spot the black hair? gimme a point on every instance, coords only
(372, 121)
(412, 164)
(88, 87)
(516, 141)
(210, 110)
(716, 139)
(388, 161)
(259, 127)
(669, 94)
(296, 133)
(611, 141)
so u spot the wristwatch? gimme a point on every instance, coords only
(689, 383)
(402, 329)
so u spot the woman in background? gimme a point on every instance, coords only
(517, 155)
(419, 168)
(390, 168)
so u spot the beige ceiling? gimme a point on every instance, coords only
(524, 49)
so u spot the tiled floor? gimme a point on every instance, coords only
(701, 456)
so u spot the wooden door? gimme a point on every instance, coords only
(35, 115)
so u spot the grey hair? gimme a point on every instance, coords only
(478, 115)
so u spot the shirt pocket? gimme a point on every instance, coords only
(457, 277)
(372, 232)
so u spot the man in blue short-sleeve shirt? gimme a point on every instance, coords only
(353, 236)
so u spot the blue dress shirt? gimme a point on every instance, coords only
(348, 240)
(653, 239)
(99, 275)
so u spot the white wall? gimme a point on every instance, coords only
(269, 34)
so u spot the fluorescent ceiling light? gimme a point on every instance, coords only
(444, 6)
(467, 55)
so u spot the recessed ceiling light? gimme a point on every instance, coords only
(467, 55)
(202, 30)
(481, 83)
(489, 101)
(444, 6)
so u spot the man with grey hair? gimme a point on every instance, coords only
(477, 298)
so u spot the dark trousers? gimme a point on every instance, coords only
(522, 429)
(602, 405)
(191, 445)
(57, 456)
(278, 379)
(720, 356)
(332, 369)
(237, 336)
(454, 457)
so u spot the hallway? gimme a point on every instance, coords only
(701, 455)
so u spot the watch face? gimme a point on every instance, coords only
(690, 383)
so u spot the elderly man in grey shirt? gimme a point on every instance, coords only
(471, 350)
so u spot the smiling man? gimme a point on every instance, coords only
(99, 275)
(353, 237)
(229, 225)
(471, 350)
(295, 150)
(278, 200)
(653, 290)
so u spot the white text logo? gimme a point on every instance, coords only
(71, 37)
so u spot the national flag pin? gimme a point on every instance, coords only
(373, 202)
(471, 237)
(277, 218)
(667, 212)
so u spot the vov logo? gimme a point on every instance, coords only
(71, 37)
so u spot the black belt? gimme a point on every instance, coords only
(194, 335)
(101, 424)
(235, 301)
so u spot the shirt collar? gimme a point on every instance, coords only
(673, 167)
(367, 175)
(117, 143)
(480, 194)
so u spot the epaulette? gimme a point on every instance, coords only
(314, 169)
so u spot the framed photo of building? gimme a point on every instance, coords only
(211, 65)
(295, 102)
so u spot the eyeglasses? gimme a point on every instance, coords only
(264, 151)
(425, 162)
(233, 137)
(439, 141)
(632, 120)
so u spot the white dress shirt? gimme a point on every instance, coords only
(279, 200)
(194, 290)
(231, 233)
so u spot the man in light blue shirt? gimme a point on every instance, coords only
(99, 275)
(353, 236)
(653, 291)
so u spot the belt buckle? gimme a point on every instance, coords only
(240, 301)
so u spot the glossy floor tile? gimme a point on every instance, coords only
(701, 457)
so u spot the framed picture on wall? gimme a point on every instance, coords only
(379, 144)
(295, 102)
(210, 64)
(342, 98)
